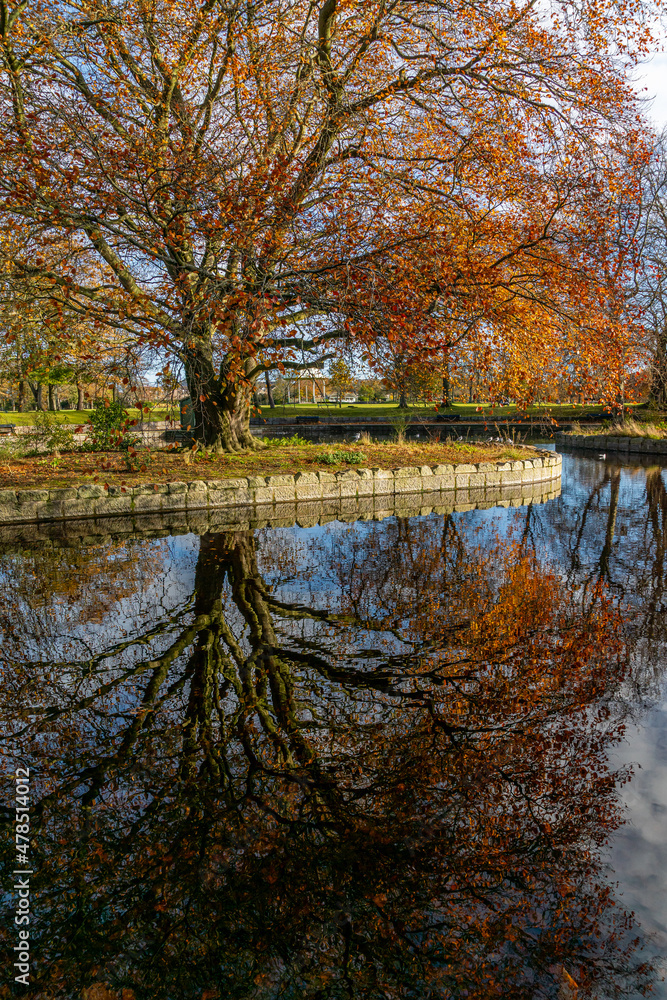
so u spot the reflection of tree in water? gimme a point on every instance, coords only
(614, 528)
(403, 797)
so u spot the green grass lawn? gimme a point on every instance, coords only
(382, 411)
(76, 416)
(471, 411)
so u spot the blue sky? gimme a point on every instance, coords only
(652, 76)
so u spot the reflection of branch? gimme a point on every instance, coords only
(575, 561)
(166, 658)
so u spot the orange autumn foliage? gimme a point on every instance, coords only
(252, 182)
(404, 793)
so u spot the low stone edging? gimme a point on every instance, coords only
(90, 531)
(612, 442)
(94, 501)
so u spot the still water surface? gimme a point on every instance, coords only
(372, 760)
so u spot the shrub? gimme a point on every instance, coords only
(291, 442)
(108, 428)
(49, 435)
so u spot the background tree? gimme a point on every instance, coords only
(340, 378)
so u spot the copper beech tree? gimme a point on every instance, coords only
(253, 180)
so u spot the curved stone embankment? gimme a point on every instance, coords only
(450, 484)
(612, 442)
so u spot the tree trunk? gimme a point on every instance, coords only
(21, 399)
(269, 391)
(658, 383)
(79, 397)
(52, 404)
(220, 405)
(403, 400)
(39, 396)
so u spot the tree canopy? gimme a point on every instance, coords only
(238, 183)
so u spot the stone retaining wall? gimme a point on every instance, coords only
(90, 531)
(95, 501)
(602, 442)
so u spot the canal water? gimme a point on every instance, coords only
(421, 757)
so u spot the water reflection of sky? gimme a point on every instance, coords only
(609, 523)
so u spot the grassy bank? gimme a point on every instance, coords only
(168, 466)
(629, 427)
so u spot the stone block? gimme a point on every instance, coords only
(443, 470)
(477, 479)
(407, 484)
(306, 479)
(383, 487)
(486, 467)
(197, 486)
(280, 481)
(261, 494)
(147, 503)
(510, 478)
(284, 494)
(58, 495)
(464, 468)
(462, 481)
(230, 497)
(78, 508)
(326, 477)
(308, 490)
(196, 499)
(460, 507)
(33, 496)
(256, 482)
(228, 484)
(425, 471)
(113, 506)
(178, 487)
(330, 493)
(347, 482)
(365, 483)
(9, 497)
(504, 467)
(442, 482)
(52, 510)
(173, 501)
(407, 472)
(492, 479)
